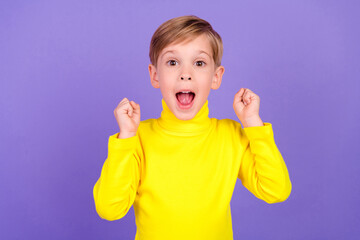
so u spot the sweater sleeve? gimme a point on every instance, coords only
(262, 170)
(115, 190)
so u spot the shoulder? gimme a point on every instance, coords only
(146, 126)
(227, 126)
(227, 123)
(147, 123)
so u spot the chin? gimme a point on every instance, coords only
(185, 116)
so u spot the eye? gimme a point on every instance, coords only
(171, 62)
(200, 63)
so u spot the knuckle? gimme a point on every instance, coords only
(124, 100)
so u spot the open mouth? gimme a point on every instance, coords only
(185, 98)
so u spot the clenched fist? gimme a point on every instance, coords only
(127, 115)
(246, 105)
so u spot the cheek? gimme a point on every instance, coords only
(165, 85)
(167, 78)
(207, 79)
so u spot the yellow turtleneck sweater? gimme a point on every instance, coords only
(180, 175)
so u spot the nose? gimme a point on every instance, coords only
(182, 78)
(186, 72)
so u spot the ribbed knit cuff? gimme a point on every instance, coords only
(259, 132)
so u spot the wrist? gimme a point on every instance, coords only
(126, 134)
(252, 122)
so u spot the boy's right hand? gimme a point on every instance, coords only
(127, 115)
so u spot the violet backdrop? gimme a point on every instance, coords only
(65, 65)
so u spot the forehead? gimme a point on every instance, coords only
(198, 45)
(175, 52)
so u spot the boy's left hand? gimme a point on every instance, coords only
(246, 106)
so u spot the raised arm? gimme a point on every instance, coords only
(115, 190)
(263, 171)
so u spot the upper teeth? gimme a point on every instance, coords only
(186, 92)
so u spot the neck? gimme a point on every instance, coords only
(170, 123)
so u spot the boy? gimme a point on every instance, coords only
(179, 171)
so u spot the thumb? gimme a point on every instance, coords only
(238, 99)
(129, 110)
(136, 108)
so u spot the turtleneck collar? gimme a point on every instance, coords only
(170, 123)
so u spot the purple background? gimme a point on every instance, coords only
(65, 65)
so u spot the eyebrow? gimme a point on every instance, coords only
(173, 51)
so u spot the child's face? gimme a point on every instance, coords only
(184, 68)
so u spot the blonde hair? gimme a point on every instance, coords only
(183, 28)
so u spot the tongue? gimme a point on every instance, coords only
(185, 98)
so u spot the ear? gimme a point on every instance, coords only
(217, 77)
(153, 76)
